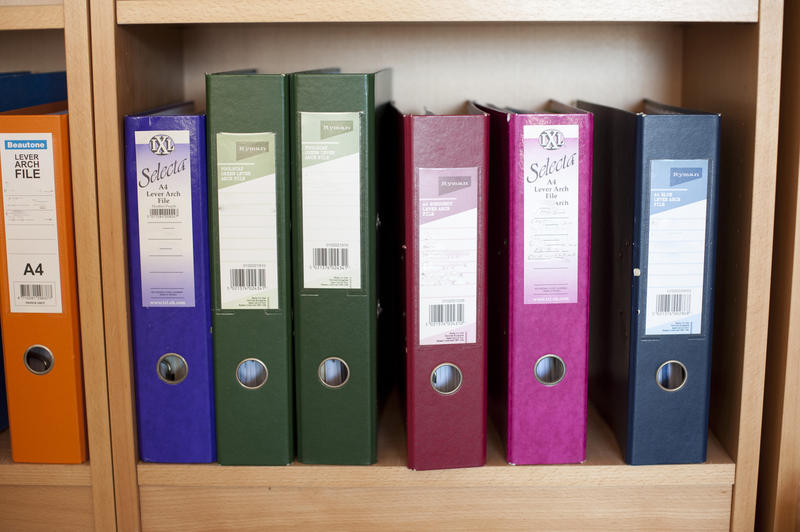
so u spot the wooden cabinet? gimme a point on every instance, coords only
(42, 36)
(722, 55)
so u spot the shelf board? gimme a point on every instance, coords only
(32, 16)
(603, 467)
(232, 11)
(12, 473)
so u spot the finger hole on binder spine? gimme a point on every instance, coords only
(446, 379)
(172, 368)
(38, 359)
(550, 370)
(334, 372)
(251, 373)
(671, 376)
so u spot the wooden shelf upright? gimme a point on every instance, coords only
(779, 473)
(44, 35)
(715, 55)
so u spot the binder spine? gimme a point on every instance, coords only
(41, 333)
(550, 195)
(170, 300)
(247, 122)
(446, 194)
(335, 285)
(673, 261)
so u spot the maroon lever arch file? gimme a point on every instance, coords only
(445, 171)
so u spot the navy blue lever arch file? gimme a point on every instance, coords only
(653, 261)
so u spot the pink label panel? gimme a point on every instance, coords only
(447, 234)
(550, 205)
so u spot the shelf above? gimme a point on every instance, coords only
(32, 17)
(12, 473)
(603, 467)
(233, 11)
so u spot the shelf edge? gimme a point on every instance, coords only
(247, 11)
(301, 476)
(13, 474)
(37, 17)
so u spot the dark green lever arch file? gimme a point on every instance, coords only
(249, 209)
(336, 119)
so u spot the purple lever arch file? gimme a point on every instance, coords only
(169, 286)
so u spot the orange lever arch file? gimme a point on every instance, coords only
(38, 292)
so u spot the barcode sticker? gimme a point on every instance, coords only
(446, 314)
(164, 201)
(36, 291)
(330, 258)
(30, 213)
(248, 278)
(164, 212)
(447, 247)
(675, 247)
(674, 304)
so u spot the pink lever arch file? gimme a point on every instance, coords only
(539, 236)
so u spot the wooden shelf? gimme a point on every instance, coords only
(44, 496)
(12, 473)
(465, 50)
(388, 494)
(32, 17)
(603, 467)
(215, 11)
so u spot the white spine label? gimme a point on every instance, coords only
(248, 230)
(331, 198)
(29, 212)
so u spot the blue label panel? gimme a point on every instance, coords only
(26, 144)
